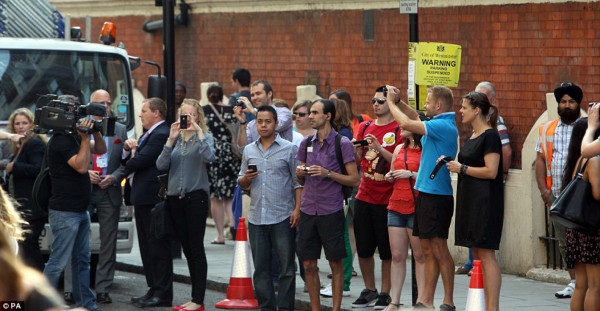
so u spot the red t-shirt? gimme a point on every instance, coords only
(402, 200)
(373, 187)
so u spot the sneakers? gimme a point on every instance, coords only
(567, 292)
(327, 292)
(382, 301)
(366, 299)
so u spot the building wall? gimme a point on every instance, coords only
(524, 49)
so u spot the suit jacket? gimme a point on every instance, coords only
(26, 167)
(115, 167)
(144, 190)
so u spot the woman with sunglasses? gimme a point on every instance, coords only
(300, 112)
(480, 192)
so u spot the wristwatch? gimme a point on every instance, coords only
(329, 174)
(411, 175)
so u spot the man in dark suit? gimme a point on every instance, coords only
(106, 173)
(139, 157)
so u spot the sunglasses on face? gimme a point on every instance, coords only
(380, 101)
(300, 114)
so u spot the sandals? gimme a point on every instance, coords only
(217, 242)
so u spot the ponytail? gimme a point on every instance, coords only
(493, 117)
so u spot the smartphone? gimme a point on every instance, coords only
(362, 142)
(252, 167)
(385, 91)
(183, 121)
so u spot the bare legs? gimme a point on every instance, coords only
(314, 284)
(587, 289)
(399, 239)
(437, 260)
(492, 279)
(218, 210)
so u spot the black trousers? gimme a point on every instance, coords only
(189, 220)
(156, 256)
(29, 248)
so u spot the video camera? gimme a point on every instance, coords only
(57, 116)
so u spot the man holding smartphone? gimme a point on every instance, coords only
(322, 208)
(269, 166)
(375, 144)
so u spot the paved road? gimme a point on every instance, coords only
(128, 284)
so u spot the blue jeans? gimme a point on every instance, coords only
(71, 231)
(469, 264)
(279, 237)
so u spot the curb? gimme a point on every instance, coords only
(213, 285)
(549, 275)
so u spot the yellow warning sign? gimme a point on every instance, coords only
(438, 64)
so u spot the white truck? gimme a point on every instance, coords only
(33, 67)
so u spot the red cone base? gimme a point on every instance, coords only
(240, 293)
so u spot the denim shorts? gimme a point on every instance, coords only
(396, 219)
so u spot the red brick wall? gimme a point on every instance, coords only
(525, 50)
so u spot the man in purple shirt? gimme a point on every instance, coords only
(322, 207)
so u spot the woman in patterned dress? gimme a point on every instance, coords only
(582, 250)
(222, 172)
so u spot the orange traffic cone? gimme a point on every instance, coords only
(475, 296)
(240, 293)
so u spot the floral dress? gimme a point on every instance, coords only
(223, 171)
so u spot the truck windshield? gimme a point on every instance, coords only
(26, 74)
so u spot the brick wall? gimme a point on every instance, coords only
(525, 50)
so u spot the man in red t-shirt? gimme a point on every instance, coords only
(370, 207)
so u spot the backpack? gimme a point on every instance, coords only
(346, 190)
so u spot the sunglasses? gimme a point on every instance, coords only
(300, 114)
(380, 101)
(566, 84)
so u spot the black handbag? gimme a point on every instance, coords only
(160, 217)
(575, 207)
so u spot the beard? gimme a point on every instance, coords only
(568, 115)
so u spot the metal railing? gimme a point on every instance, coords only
(553, 258)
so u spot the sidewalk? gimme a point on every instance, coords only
(517, 293)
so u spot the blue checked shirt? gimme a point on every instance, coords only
(273, 190)
(560, 149)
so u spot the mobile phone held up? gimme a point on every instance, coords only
(362, 142)
(183, 121)
(252, 167)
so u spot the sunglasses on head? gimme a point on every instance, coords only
(301, 114)
(380, 101)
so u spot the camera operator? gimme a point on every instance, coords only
(68, 159)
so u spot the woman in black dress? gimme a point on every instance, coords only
(480, 193)
(223, 170)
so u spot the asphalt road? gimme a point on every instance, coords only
(127, 285)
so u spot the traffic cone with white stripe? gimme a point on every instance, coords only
(240, 293)
(475, 296)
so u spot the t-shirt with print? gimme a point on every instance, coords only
(373, 187)
(440, 138)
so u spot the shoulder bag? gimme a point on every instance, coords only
(160, 217)
(233, 129)
(575, 207)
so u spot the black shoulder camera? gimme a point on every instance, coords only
(56, 116)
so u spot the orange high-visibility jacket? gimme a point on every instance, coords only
(546, 135)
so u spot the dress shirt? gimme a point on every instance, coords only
(273, 190)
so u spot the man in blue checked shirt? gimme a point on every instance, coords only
(269, 166)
